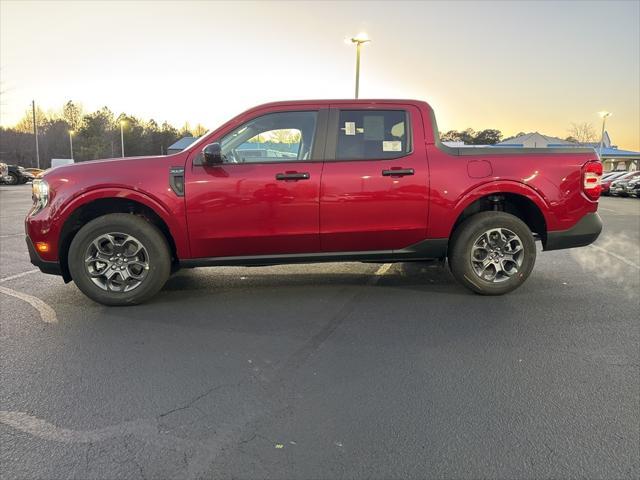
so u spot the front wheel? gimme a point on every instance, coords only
(492, 253)
(119, 259)
(11, 179)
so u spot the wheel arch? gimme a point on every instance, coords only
(84, 210)
(510, 197)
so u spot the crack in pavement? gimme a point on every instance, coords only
(195, 399)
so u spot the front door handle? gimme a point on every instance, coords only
(397, 172)
(293, 176)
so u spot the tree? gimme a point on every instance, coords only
(25, 124)
(470, 137)
(284, 136)
(199, 130)
(450, 136)
(185, 131)
(73, 115)
(96, 135)
(582, 132)
(168, 135)
(487, 137)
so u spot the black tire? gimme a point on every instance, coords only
(471, 230)
(153, 241)
(11, 179)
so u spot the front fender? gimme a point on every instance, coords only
(48, 225)
(173, 216)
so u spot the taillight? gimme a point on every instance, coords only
(591, 179)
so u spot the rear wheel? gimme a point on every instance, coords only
(119, 259)
(492, 253)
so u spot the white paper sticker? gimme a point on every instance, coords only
(349, 128)
(392, 146)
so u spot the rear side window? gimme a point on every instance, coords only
(372, 134)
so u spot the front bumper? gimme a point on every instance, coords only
(52, 268)
(582, 233)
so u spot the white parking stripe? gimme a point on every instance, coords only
(47, 314)
(146, 430)
(616, 256)
(379, 273)
(18, 275)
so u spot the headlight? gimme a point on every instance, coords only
(39, 194)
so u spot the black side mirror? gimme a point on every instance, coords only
(212, 154)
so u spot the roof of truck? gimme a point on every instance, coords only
(340, 100)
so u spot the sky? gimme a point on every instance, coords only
(512, 65)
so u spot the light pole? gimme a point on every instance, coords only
(71, 132)
(359, 40)
(604, 116)
(122, 124)
(35, 131)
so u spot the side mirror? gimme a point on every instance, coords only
(212, 154)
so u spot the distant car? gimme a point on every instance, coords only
(608, 179)
(17, 175)
(619, 186)
(633, 188)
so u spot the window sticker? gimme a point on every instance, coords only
(392, 146)
(349, 128)
(374, 127)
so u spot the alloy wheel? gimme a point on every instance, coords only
(117, 262)
(497, 255)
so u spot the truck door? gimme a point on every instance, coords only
(374, 190)
(264, 198)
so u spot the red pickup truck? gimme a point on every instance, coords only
(313, 181)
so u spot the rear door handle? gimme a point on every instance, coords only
(293, 176)
(397, 172)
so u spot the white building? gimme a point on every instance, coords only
(612, 157)
(535, 140)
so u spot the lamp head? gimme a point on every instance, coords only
(360, 38)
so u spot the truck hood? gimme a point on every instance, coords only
(134, 173)
(97, 165)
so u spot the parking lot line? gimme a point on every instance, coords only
(18, 275)
(616, 256)
(607, 209)
(380, 272)
(47, 314)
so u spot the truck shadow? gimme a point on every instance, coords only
(420, 275)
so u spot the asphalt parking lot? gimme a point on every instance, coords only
(325, 371)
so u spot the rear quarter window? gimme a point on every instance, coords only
(372, 134)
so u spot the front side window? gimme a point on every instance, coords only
(372, 134)
(275, 137)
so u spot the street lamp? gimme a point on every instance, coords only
(122, 124)
(359, 40)
(604, 116)
(71, 132)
